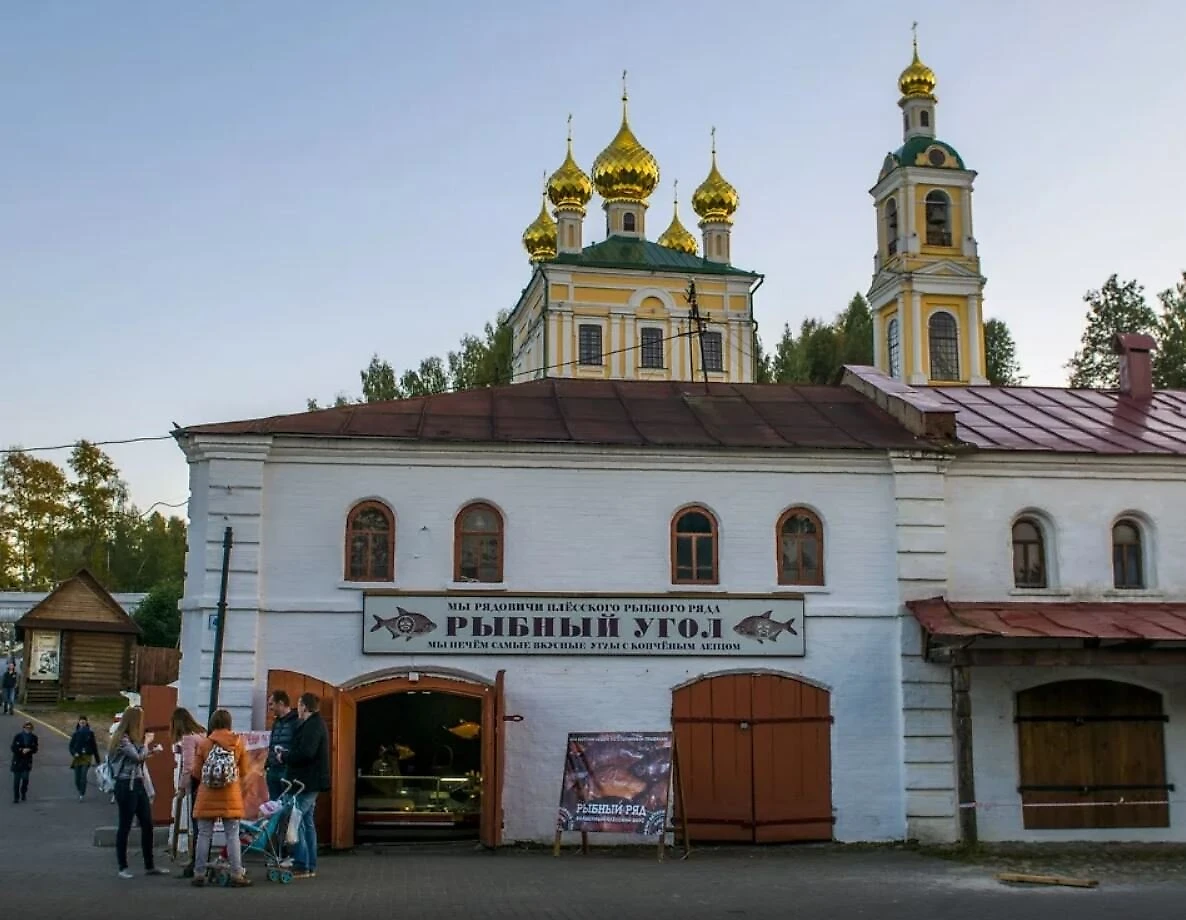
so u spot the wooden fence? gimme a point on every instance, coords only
(157, 666)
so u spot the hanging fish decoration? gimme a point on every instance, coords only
(467, 731)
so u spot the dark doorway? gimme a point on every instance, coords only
(418, 757)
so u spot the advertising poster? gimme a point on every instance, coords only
(255, 786)
(44, 656)
(616, 782)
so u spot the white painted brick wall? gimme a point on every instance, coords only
(588, 523)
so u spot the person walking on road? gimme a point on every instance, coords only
(8, 687)
(186, 733)
(307, 762)
(84, 750)
(24, 746)
(220, 764)
(128, 754)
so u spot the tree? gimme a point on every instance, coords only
(97, 497)
(855, 326)
(34, 515)
(762, 373)
(378, 381)
(158, 616)
(1115, 308)
(1000, 350)
(1169, 361)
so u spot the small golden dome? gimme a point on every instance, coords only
(625, 170)
(716, 201)
(918, 80)
(539, 239)
(569, 188)
(676, 236)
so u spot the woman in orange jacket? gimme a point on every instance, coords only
(220, 763)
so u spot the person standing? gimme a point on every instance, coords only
(8, 687)
(186, 733)
(220, 765)
(307, 763)
(284, 723)
(84, 750)
(24, 746)
(128, 754)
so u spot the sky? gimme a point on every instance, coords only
(216, 211)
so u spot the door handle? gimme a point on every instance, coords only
(744, 726)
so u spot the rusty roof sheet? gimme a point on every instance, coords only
(1066, 420)
(606, 412)
(1055, 620)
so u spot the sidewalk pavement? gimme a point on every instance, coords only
(49, 868)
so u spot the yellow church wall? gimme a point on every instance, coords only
(618, 297)
(558, 292)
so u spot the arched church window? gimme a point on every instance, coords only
(925, 118)
(370, 543)
(478, 544)
(1127, 568)
(891, 226)
(1029, 554)
(694, 550)
(800, 537)
(628, 222)
(893, 341)
(906, 121)
(945, 346)
(938, 217)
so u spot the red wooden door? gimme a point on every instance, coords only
(716, 757)
(754, 758)
(158, 704)
(344, 766)
(493, 762)
(295, 684)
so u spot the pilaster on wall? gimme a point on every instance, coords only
(928, 744)
(226, 490)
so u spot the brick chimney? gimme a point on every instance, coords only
(1136, 363)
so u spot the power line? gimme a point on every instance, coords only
(30, 450)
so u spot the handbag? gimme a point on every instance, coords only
(105, 775)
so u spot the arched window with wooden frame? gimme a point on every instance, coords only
(1029, 554)
(943, 335)
(1128, 558)
(370, 542)
(800, 536)
(694, 547)
(478, 544)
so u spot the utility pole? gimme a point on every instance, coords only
(220, 622)
(698, 321)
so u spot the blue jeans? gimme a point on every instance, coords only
(80, 778)
(9, 698)
(304, 852)
(20, 785)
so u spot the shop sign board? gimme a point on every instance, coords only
(607, 624)
(616, 782)
(44, 662)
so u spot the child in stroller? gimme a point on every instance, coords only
(265, 835)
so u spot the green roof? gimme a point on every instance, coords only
(907, 154)
(643, 255)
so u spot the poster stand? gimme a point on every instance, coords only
(678, 784)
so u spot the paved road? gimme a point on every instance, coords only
(48, 868)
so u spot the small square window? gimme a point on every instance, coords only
(652, 347)
(713, 350)
(589, 344)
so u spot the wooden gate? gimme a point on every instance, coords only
(754, 758)
(158, 704)
(1092, 741)
(295, 684)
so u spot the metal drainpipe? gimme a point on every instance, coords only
(544, 318)
(753, 351)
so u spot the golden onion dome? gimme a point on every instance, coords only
(676, 236)
(539, 239)
(716, 201)
(917, 80)
(625, 170)
(569, 188)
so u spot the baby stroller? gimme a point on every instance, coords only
(264, 835)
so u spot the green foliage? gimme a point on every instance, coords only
(1000, 350)
(158, 615)
(478, 362)
(35, 514)
(1115, 308)
(821, 350)
(1169, 361)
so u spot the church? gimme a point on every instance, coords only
(911, 606)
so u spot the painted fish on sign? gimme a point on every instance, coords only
(665, 624)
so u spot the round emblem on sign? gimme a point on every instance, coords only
(405, 624)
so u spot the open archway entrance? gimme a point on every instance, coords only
(413, 756)
(754, 758)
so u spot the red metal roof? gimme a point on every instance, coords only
(1056, 620)
(602, 412)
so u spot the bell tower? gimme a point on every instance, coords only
(927, 291)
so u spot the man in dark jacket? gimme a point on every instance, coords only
(24, 746)
(8, 687)
(307, 763)
(284, 723)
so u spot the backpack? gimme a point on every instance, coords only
(219, 770)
